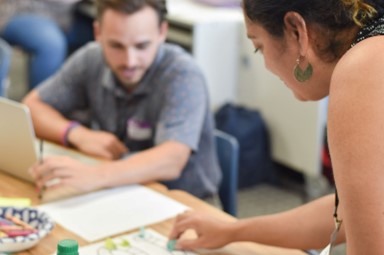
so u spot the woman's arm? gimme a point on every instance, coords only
(305, 227)
(356, 139)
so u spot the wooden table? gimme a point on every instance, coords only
(12, 187)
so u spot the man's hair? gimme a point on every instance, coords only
(131, 6)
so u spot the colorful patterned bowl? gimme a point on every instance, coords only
(37, 219)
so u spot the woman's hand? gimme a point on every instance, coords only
(211, 233)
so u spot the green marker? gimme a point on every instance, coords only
(110, 245)
(142, 232)
(171, 245)
(67, 247)
(125, 243)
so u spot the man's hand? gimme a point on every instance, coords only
(97, 143)
(64, 171)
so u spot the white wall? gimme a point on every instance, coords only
(234, 73)
(295, 127)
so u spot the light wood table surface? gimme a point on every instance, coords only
(12, 187)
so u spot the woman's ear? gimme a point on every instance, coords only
(296, 29)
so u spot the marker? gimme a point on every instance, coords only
(19, 232)
(110, 244)
(13, 227)
(142, 232)
(19, 222)
(125, 243)
(10, 227)
(5, 222)
(171, 245)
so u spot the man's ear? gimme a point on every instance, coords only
(96, 29)
(163, 31)
(296, 28)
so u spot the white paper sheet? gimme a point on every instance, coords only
(109, 212)
(149, 243)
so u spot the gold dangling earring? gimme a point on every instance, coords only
(300, 74)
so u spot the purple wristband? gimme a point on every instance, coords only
(64, 137)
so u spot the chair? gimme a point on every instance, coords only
(5, 58)
(228, 155)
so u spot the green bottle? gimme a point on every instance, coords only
(67, 247)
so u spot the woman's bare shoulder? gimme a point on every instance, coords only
(361, 68)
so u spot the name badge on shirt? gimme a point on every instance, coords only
(138, 130)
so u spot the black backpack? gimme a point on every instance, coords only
(250, 130)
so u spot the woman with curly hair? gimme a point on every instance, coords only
(321, 48)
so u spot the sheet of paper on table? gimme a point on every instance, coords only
(109, 212)
(148, 242)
